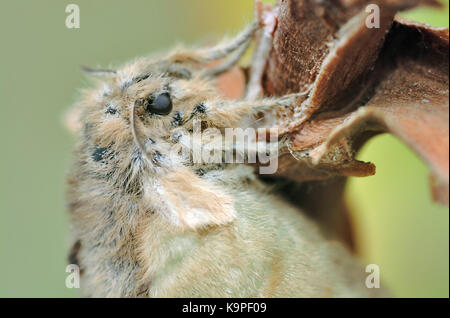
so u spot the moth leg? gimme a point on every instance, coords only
(224, 49)
(217, 52)
(230, 113)
(228, 63)
(261, 52)
(265, 29)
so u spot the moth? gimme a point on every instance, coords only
(149, 221)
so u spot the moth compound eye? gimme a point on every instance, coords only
(160, 105)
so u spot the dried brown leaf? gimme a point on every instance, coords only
(364, 81)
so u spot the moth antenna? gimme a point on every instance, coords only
(137, 141)
(97, 71)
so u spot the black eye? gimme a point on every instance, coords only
(160, 105)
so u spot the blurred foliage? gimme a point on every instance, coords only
(431, 16)
(398, 226)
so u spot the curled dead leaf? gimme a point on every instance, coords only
(364, 82)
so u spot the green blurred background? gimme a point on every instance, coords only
(397, 225)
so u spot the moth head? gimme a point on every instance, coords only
(150, 98)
